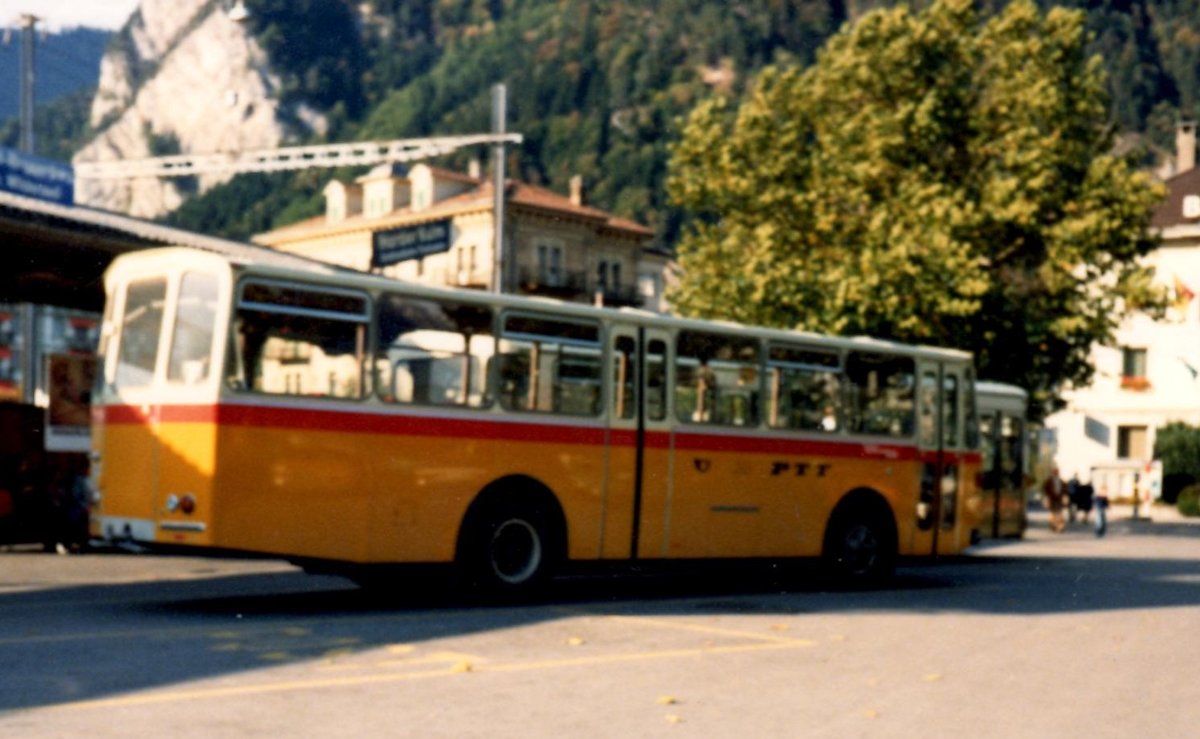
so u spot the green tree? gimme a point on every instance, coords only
(1177, 445)
(933, 178)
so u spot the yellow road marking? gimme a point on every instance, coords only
(176, 696)
(446, 664)
(715, 630)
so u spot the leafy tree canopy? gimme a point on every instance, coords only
(932, 178)
(1178, 446)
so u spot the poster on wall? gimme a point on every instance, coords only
(10, 355)
(68, 411)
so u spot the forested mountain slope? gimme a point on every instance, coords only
(597, 87)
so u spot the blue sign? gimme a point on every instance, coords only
(35, 177)
(410, 242)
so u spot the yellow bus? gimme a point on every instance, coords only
(345, 419)
(1006, 472)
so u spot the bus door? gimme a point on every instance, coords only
(1002, 496)
(638, 483)
(941, 435)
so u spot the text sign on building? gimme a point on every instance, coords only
(409, 242)
(35, 177)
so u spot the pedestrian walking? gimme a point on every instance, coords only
(1101, 503)
(1054, 490)
(1085, 496)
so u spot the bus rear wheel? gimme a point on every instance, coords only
(860, 547)
(507, 549)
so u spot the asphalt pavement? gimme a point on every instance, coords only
(1053, 635)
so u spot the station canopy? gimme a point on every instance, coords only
(54, 254)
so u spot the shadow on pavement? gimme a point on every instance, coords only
(85, 642)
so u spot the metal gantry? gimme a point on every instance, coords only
(288, 158)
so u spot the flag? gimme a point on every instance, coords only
(1183, 295)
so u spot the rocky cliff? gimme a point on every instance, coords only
(182, 77)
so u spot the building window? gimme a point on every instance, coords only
(549, 265)
(608, 277)
(1132, 442)
(465, 267)
(1133, 369)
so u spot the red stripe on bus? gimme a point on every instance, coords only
(348, 422)
(487, 429)
(401, 425)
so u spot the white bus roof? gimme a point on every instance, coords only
(333, 276)
(1000, 390)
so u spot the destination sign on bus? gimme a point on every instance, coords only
(410, 242)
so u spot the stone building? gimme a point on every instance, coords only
(435, 226)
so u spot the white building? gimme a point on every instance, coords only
(1150, 376)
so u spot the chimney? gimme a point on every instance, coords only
(1185, 146)
(474, 169)
(577, 186)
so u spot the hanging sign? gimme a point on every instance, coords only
(35, 177)
(410, 242)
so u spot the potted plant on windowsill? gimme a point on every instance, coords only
(1130, 382)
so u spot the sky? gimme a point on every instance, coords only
(57, 14)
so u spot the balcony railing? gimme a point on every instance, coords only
(624, 295)
(468, 278)
(573, 285)
(563, 284)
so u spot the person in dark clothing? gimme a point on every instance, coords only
(1101, 512)
(1072, 502)
(1055, 492)
(1084, 494)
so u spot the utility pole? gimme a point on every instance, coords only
(27, 23)
(499, 267)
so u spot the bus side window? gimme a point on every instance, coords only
(432, 352)
(928, 409)
(550, 366)
(880, 394)
(656, 381)
(950, 410)
(299, 340)
(624, 380)
(716, 379)
(804, 387)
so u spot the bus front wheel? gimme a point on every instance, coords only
(507, 549)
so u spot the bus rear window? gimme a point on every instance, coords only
(141, 325)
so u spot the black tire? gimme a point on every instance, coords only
(507, 549)
(860, 546)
